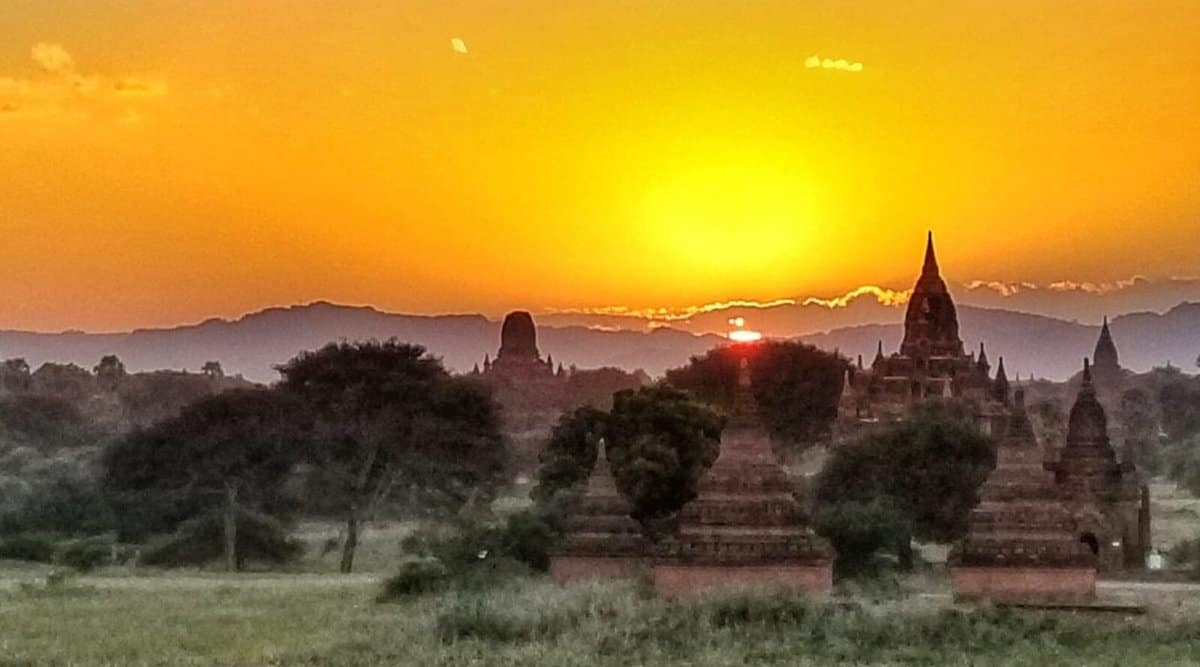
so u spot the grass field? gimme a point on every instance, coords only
(330, 620)
(310, 615)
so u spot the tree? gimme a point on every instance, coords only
(796, 386)
(1138, 424)
(569, 455)
(1179, 401)
(660, 443)
(14, 376)
(930, 468)
(230, 452)
(387, 415)
(110, 371)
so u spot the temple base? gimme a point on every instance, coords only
(571, 569)
(676, 579)
(1024, 584)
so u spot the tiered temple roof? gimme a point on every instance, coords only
(1021, 520)
(601, 525)
(744, 512)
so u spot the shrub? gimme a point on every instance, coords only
(260, 538)
(416, 577)
(33, 547)
(91, 552)
(859, 530)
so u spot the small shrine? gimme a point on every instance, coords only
(1021, 544)
(745, 528)
(602, 539)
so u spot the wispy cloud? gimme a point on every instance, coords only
(817, 62)
(883, 295)
(64, 91)
(53, 57)
(669, 314)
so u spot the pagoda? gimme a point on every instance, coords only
(1110, 505)
(931, 363)
(1021, 544)
(744, 528)
(602, 539)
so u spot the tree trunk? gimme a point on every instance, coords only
(351, 543)
(230, 521)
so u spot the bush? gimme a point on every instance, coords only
(260, 538)
(91, 552)
(473, 556)
(33, 547)
(416, 577)
(859, 530)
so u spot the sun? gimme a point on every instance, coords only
(738, 221)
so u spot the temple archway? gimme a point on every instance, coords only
(1092, 543)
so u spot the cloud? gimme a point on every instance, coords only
(458, 45)
(883, 295)
(1096, 288)
(670, 314)
(817, 62)
(53, 58)
(62, 91)
(140, 87)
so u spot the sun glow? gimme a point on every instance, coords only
(745, 336)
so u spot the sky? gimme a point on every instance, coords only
(164, 162)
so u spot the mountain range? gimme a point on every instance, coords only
(254, 344)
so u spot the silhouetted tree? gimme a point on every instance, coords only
(796, 386)
(569, 455)
(387, 414)
(231, 451)
(1179, 401)
(929, 467)
(660, 442)
(110, 371)
(1138, 424)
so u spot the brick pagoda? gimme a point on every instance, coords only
(1021, 545)
(602, 539)
(744, 528)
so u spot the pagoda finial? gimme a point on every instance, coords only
(878, 356)
(931, 265)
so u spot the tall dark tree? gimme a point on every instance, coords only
(570, 453)
(230, 451)
(1179, 401)
(1139, 425)
(660, 443)
(796, 387)
(930, 468)
(387, 415)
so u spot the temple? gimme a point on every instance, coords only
(602, 540)
(931, 363)
(518, 359)
(1109, 504)
(1021, 544)
(745, 527)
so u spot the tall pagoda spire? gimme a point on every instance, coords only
(930, 321)
(1105, 355)
(931, 265)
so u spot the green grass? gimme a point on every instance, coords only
(319, 620)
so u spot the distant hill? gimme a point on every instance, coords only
(1047, 347)
(252, 345)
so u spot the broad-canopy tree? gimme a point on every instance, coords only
(387, 416)
(929, 467)
(660, 443)
(796, 387)
(232, 452)
(569, 455)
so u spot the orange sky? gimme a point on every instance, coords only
(164, 162)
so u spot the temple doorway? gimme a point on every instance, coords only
(1090, 540)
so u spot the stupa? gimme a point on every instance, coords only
(744, 528)
(602, 539)
(1021, 545)
(1110, 505)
